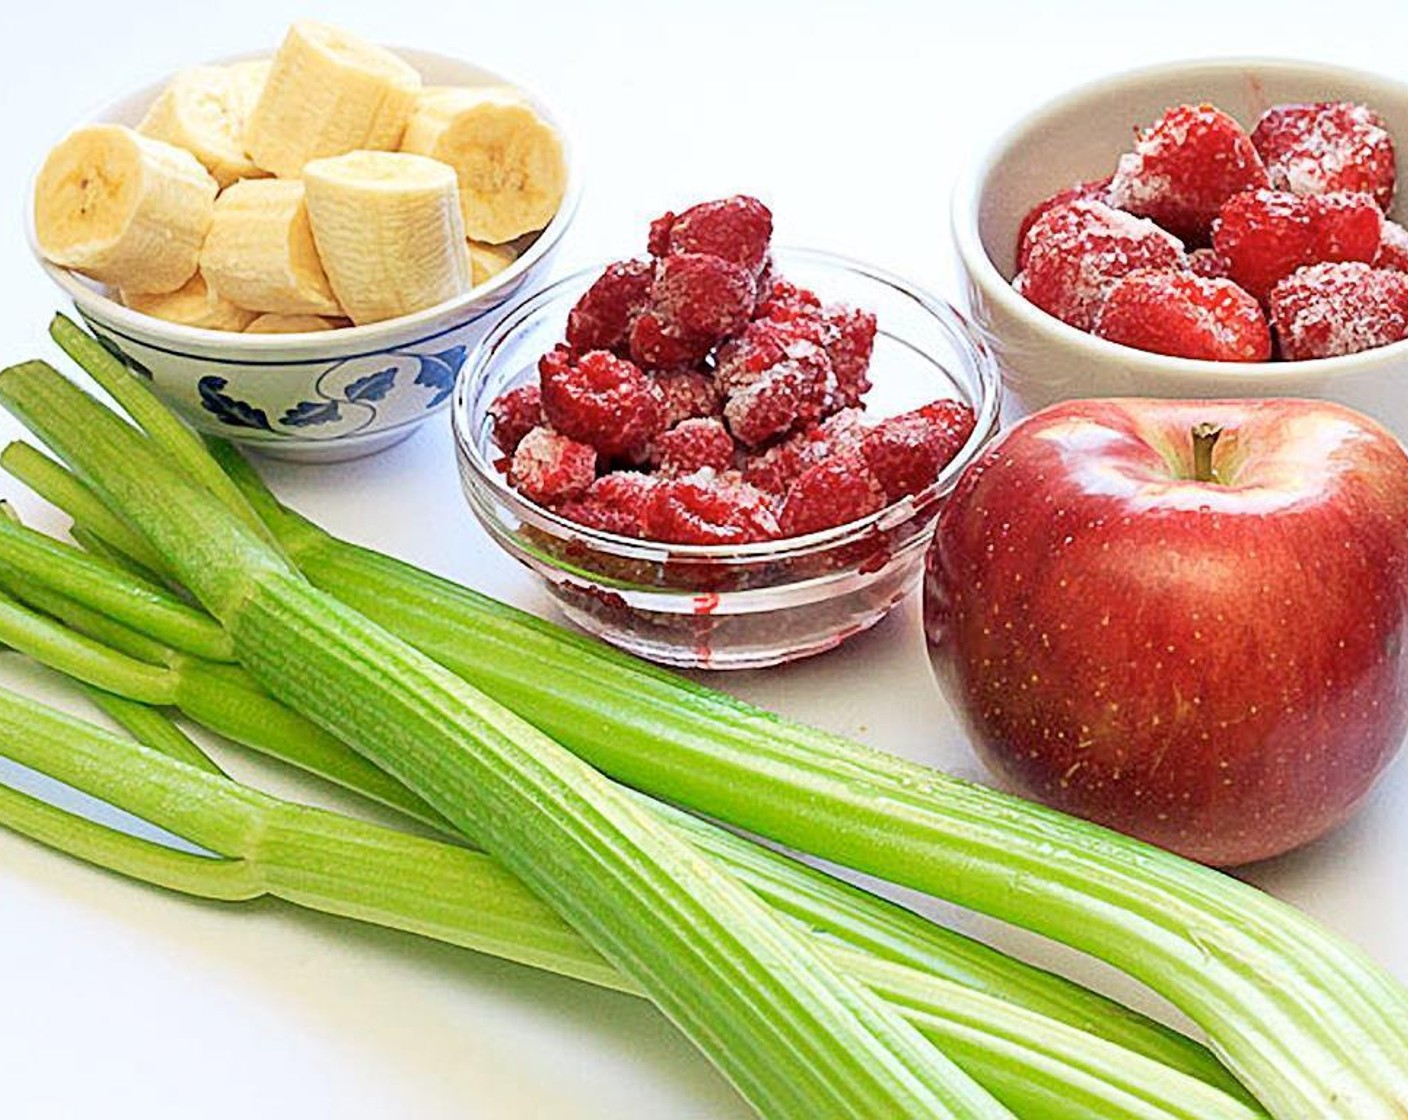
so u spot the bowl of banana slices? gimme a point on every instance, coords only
(299, 250)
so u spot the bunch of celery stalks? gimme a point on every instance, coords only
(576, 790)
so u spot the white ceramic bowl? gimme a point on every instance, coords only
(1080, 136)
(329, 395)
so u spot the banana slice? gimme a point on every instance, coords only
(194, 305)
(509, 161)
(292, 324)
(328, 92)
(487, 261)
(127, 210)
(204, 110)
(260, 252)
(388, 229)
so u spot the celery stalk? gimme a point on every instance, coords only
(796, 1037)
(820, 902)
(1039, 1068)
(57, 486)
(1308, 1023)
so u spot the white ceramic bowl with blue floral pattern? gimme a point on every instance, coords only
(334, 394)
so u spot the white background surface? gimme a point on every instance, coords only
(117, 1000)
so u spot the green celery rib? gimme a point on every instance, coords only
(153, 730)
(1309, 1024)
(180, 444)
(794, 1036)
(1039, 1068)
(126, 598)
(225, 700)
(52, 482)
(110, 656)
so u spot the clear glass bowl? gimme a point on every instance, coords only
(745, 606)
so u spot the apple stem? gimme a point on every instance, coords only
(1205, 436)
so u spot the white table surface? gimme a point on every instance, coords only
(851, 121)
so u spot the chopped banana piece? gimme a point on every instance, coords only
(128, 210)
(388, 229)
(509, 161)
(293, 324)
(260, 251)
(194, 305)
(205, 110)
(328, 93)
(487, 261)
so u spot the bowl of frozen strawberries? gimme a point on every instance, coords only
(1217, 228)
(719, 453)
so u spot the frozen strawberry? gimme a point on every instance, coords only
(1393, 247)
(738, 229)
(833, 492)
(549, 468)
(601, 319)
(1076, 252)
(614, 503)
(709, 509)
(1209, 263)
(1265, 235)
(692, 446)
(601, 400)
(1183, 168)
(775, 468)
(1325, 310)
(906, 453)
(1096, 190)
(1185, 316)
(656, 344)
(687, 394)
(702, 295)
(514, 415)
(1325, 147)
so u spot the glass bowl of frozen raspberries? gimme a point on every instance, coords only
(720, 454)
(1202, 229)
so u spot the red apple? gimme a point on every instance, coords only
(1211, 661)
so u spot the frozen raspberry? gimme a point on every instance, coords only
(601, 320)
(515, 414)
(1185, 316)
(1325, 310)
(773, 385)
(1192, 160)
(705, 508)
(688, 394)
(602, 400)
(656, 344)
(833, 492)
(702, 295)
(692, 446)
(850, 350)
(775, 468)
(1209, 263)
(1393, 247)
(614, 503)
(1265, 235)
(1076, 252)
(1329, 146)
(738, 229)
(1096, 190)
(783, 300)
(549, 468)
(906, 453)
